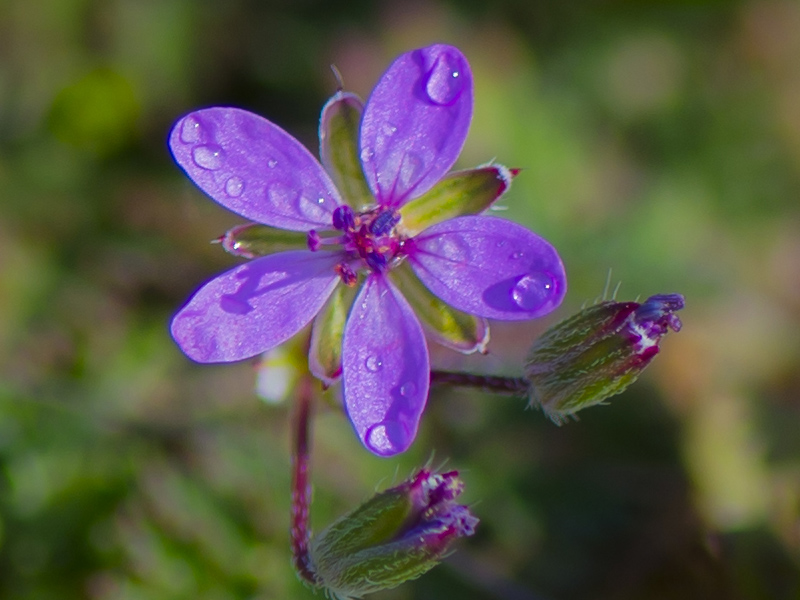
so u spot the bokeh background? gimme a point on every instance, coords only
(659, 140)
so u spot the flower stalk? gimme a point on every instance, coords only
(301, 484)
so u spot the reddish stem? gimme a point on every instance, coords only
(301, 486)
(515, 386)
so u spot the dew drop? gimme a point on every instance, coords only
(376, 439)
(532, 291)
(272, 163)
(453, 247)
(234, 187)
(282, 195)
(313, 208)
(501, 243)
(383, 438)
(191, 130)
(408, 389)
(411, 169)
(208, 156)
(373, 363)
(367, 154)
(388, 130)
(445, 79)
(516, 255)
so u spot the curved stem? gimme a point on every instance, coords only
(512, 386)
(301, 485)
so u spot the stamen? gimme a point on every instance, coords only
(313, 240)
(384, 222)
(346, 274)
(344, 219)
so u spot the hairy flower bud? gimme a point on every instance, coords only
(597, 353)
(397, 535)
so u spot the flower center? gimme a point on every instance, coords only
(370, 236)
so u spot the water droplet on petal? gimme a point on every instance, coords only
(388, 130)
(208, 156)
(445, 79)
(501, 243)
(533, 290)
(282, 196)
(382, 438)
(373, 363)
(411, 168)
(191, 130)
(516, 255)
(453, 247)
(367, 154)
(272, 163)
(408, 389)
(234, 187)
(313, 208)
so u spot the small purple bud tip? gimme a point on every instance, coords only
(658, 307)
(653, 318)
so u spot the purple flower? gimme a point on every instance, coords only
(380, 210)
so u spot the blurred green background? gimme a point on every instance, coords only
(657, 139)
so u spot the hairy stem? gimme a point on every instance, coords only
(301, 485)
(513, 386)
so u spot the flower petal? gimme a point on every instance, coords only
(338, 147)
(415, 122)
(462, 193)
(254, 168)
(255, 306)
(385, 366)
(489, 267)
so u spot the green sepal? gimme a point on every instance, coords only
(450, 327)
(461, 193)
(373, 523)
(373, 570)
(253, 239)
(397, 535)
(338, 148)
(325, 353)
(584, 360)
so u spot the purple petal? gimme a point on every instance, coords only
(385, 368)
(489, 267)
(415, 122)
(255, 306)
(254, 168)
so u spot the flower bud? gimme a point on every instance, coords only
(597, 353)
(397, 535)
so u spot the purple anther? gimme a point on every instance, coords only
(384, 222)
(343, 218)
(346, 274)
(375, 260)
(313, 240)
